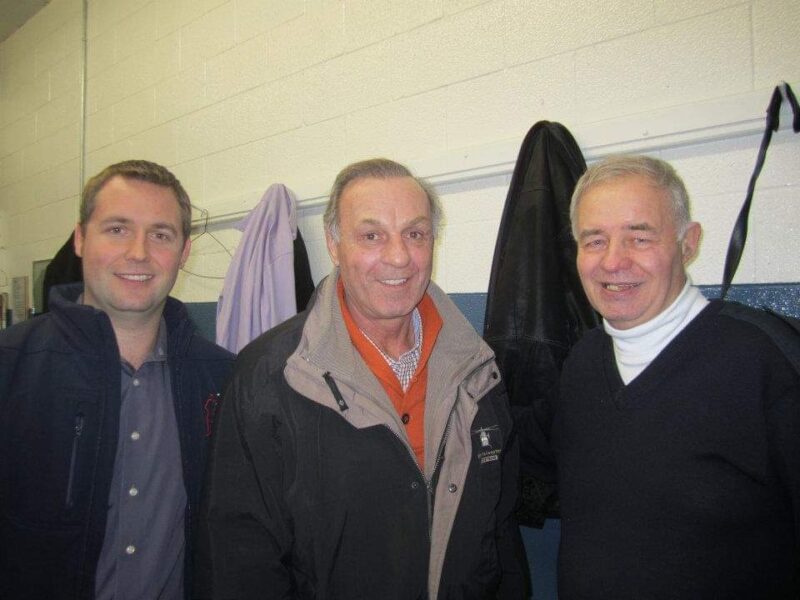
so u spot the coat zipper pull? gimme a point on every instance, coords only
(337, 395)
(73, 461)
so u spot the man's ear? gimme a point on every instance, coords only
(78, 241)
(691, 242)
(187, 247)
(333, 249)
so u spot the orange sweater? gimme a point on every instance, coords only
(410, 405)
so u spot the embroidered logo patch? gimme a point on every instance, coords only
(489, 439)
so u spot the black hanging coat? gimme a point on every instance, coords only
(536, 308)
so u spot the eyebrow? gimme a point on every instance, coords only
(589, 233)
(126, 221)
(640, 227)
(632, 227)
(419, 221)
(377, 223)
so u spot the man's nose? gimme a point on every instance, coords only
(137, 248)
(396, 252)
(616, 257)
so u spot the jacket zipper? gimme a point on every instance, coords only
(331, 383)
(436, 465)
(73, 461)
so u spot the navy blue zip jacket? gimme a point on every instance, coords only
(59, 423)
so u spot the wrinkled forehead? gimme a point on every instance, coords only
(377, 198)
(637, 191)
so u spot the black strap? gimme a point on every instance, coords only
(739, 233)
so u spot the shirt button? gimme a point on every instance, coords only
(134, 491)
(414, 485)
(135, 383)
(135, 436)
(452, 488)
(405, 418)
(130, 549)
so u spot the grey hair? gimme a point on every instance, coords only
(377, 168)
(139, 170)
(660, 173)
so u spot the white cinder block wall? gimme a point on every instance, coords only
(234, 95)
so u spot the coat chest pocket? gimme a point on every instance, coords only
(51, 454)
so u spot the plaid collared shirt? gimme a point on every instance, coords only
(406, 364)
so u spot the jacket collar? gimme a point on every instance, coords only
(90, 322)
(460, 357)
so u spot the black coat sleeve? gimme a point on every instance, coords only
(515, 582)
(244, 537)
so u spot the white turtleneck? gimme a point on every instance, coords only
(635, 348)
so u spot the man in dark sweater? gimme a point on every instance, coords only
(677, 432)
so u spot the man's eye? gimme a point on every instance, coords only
(370, 237)
(162, 237)
(594, 244)
(417, 235)
(115, 230)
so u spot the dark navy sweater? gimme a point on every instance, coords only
(685, 483)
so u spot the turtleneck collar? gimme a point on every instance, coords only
(635, 348)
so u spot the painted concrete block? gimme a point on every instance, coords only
(370, 21)
(99, 159)
(58, 112)
(546, 28)
(239, 69)
(706, 57)
(243, 170)
(11, 168)
(209, 35)
(180, 94)
(775, 220)
(401, 130)
(350, 82)
(507, 103)
(100, 129)
(192, 176)
(17, 135)
(59, 182)
(466, 45)
(456, 6)
(134, 114)
(309, 39)
(158, 144)
(255, 17)
(19, 196)
(65, 76)
(308, 158)
(137, 32)
(101, 52)
(667, 11)
(775, 42)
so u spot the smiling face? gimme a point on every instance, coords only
(132, 248)
(630, 260)
(385, 249)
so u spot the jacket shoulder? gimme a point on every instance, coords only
(270, 351)
(783, 331)
(31, 335)
(589, 343)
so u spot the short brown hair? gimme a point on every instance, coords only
(140, 170)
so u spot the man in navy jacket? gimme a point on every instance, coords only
(106, 404)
